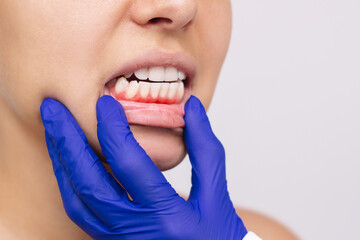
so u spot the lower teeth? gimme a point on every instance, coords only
(147, 90)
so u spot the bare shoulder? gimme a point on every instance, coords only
(265, 227)
(6, 234)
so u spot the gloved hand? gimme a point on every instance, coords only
(97, 203)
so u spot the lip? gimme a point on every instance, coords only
(154, 114)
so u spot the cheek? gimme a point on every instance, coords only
(49, 49)
(214, 30)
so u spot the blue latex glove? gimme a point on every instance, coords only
(97, 203)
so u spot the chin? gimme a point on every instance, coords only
(165, 146)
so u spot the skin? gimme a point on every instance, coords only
(65, 50)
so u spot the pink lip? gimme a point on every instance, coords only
(154, 114)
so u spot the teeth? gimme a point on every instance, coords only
(173, 89)
(121, 85)
(142, 74)
(157, 74)
(181, 75)
(166, 82)
(171, 74)
(132, 89)
(155, 89)
(164, 89)
(144, 89)
(128, 75)
(180, 90)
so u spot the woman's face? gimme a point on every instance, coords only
(73, 50)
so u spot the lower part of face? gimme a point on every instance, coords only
(66, 49)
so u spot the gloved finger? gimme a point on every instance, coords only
(90, 180)
(206, 153)
(128, 160)
(76, 210)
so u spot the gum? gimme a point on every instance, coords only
(138, 98)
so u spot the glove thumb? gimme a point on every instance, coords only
(207, 154)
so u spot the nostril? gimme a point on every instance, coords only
(160, 19)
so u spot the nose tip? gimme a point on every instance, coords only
(164, 14)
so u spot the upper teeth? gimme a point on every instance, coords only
(165, 83)
(159, 74)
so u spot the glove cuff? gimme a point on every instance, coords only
(251, 236)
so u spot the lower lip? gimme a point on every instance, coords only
(155, 114)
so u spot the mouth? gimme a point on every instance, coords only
(153, 88)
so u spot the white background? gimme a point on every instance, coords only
(287, 109)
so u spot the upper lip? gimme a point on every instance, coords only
(156, 57)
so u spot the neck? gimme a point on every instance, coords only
(30, 202)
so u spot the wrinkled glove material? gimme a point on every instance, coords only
(98, 204)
